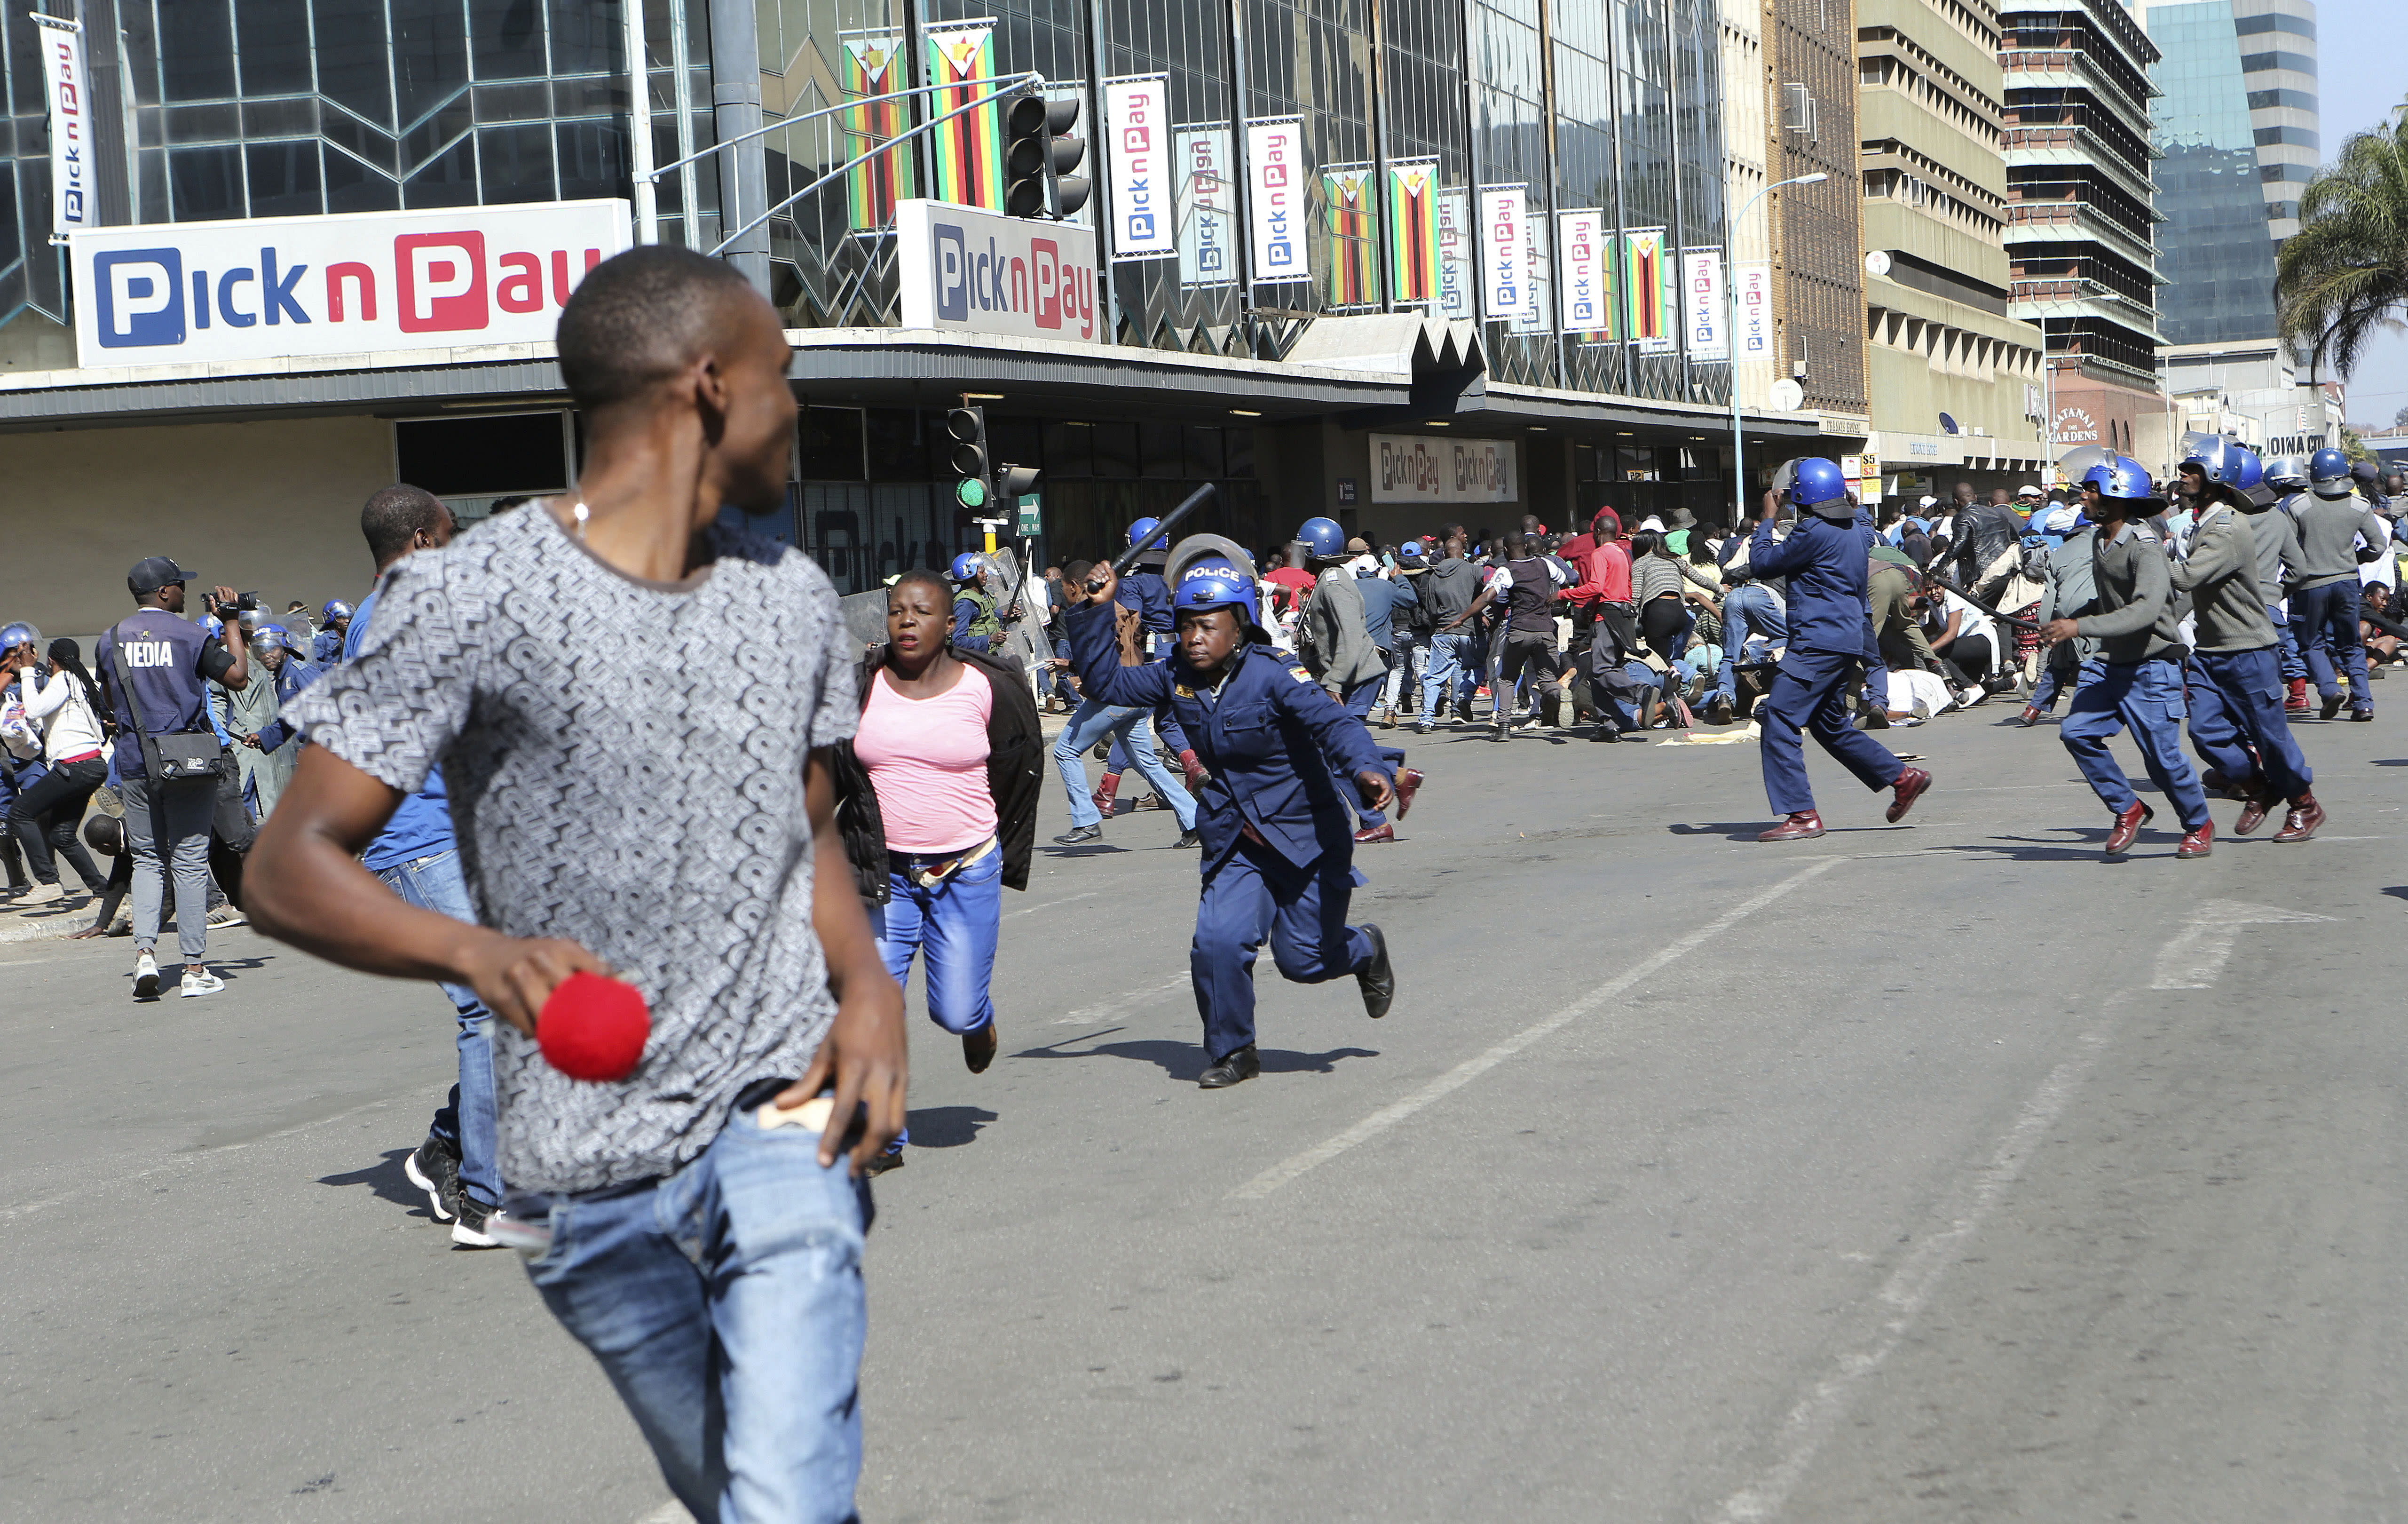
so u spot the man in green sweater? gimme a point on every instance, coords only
(2137, 680)
(2235, 686)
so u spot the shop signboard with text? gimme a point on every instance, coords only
(1417, 468)
(979, 272)
(360, 283)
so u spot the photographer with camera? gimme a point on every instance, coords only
(155, 667)
(62, 711)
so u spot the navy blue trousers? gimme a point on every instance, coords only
(2327, 618)
(1810, 693)
(1360, 700)
(1258, 895)
(2147, 695)
(2236, 707)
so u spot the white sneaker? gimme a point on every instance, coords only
(226, 915)
(201, 981)
(40, 894)
(1970, 696)
(146, 977)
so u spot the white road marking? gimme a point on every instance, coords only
(2194, 958)
(181, 1160)
(1051, 904)
(1119, 1005)
(1910, 1287)
(1471, 1069)
(668, 1513)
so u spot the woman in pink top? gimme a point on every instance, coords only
(937, 801)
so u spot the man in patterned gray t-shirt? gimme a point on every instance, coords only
(658, 808)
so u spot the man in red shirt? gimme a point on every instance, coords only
(1292, 575)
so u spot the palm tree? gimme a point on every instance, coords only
(2345, 274)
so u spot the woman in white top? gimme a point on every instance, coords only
(1965, 638)
(62, 703)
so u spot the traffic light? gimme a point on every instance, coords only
(966, 427)
(1039, 163)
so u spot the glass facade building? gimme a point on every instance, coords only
(2239, 139)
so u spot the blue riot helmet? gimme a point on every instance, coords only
(2126, 481)
(969, 567)
(2218, 460)
(215, 625)
(2250, 473)
(1152, 554)
(1323, 539)
(2286, 473)
(1816, 485)
(1211, 583)
(20, 633)
(2078, 466)
(2329, 473)
(1141, 529)
(335, 609)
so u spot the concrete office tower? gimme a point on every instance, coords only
(2237, 129)
(2081, 222)
(1955, 376)
(1817, 235)
(1740, 29)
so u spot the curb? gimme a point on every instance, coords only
(15, 928)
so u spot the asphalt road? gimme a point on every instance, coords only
(1932, 1171)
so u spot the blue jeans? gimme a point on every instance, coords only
(2055, 671)
(1401, 663)
(2326, 617)
(1452, 660)
(725, 1302)
(955, 922)
(2146, 696)
(465, 1122)
(1747, 610)
(1358, 702)
(1090, 725)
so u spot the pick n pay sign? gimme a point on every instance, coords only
(360, 283)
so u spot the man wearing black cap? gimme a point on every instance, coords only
(154, 668)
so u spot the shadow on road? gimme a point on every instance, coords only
(947, 1126)
(1185, 1060)
(385, 1179)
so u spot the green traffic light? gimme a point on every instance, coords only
(970, 491)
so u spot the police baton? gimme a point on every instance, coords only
(1161, 532)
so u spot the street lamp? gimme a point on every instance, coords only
(1739, 465)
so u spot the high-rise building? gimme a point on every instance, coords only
(2236, 127)
(2081, 219)
(1402, 264)
(1817, 239)
(1956, 375)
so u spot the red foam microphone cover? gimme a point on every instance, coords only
(592, 1028)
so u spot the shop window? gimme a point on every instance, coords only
(1206, 459)
(482, 457)
(1160, 451)
(1116, 450)
(895, 452)
(831, 444)
(1015, 442)
(1238, 445)
(1070, 450)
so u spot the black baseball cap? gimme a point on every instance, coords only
(155, 572)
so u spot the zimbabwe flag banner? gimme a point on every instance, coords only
(1413, 231)
(872, 73)
(1348, 214)
(967, 151)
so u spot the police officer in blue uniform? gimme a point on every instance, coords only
(328, 648)
(1277, 858)
(1144, 591)
(2136, 678)
(976, 622)
(1827, 563)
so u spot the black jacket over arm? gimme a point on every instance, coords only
(1015, 753)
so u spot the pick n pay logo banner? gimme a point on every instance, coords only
(357, 284)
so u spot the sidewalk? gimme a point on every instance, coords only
(52, 920)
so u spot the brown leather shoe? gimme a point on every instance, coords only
(2306, 814)
(978, 1047)
(1409, 783)
(2030, 716)
(1800, 826)
(1909, 788)
(2260, 799)
(2127, 825)
(1376, 833)
(2198, 841)
(1103, 797)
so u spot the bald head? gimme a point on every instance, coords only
(640, 317)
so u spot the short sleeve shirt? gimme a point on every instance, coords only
(625, 762)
